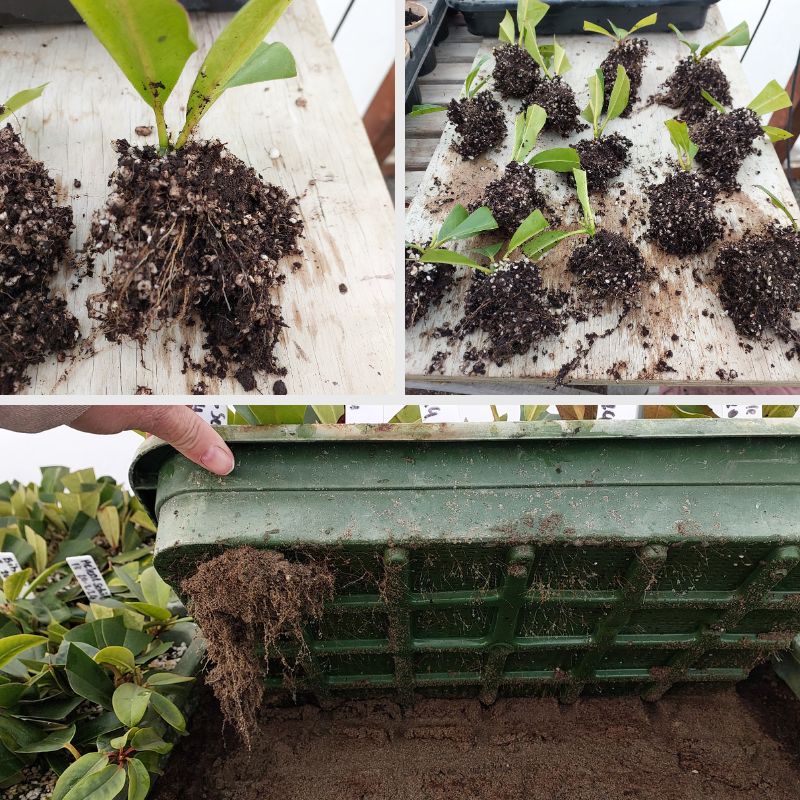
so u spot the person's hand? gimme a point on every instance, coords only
(186, 431)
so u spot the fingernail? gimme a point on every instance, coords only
(218, 459)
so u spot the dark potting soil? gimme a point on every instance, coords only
(682, 219)
(557, 98)
(683, 88)
(196, 236)
(760, 282)
(608, 267)
(480, 123)
(724, 141)
(426, 286)
(411, 17)
(630, 54)
(34, 242)
(515, 72)
(512, 196)
(602, 159)
(699, 742)
(512, 307)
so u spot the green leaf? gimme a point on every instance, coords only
(593, 28)
(645, 22)
(156, 612)
(546, 241)
(441, 256)
(75, 773)
(620, 94)
(269, 62)
(532, 46)
(168, 711)
(426, 108)
(105, 784)
(778, 411)
(472, 74)
(456, 216)
(108, 517)
(490, 251)
(773, 97)
(561, 63)
(51, 742)
(156, 591)
(167, 679)
(328, 415)
(532, 225)
(39, 546)
(714, 102)
(777, 134)
(531, 12)
(735, 37)
(13, 646)
(685, 147)
(597, 98)
(119, 657)
(527, 128)
(408, 415)
(583, 197)
(138, 780)
(18, 100)
(507, 30)
(479, 221)
(146, 739)
(130, 703)
(557, 159)
(619, 33)
(87, 678)
(231, 50)
(693, 46)
(14, 583)
(776, 201)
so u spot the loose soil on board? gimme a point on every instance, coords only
(247, 598)
(426, 286)
(196, 236)
(479, 121)
(34, 242)
(411, 17)
(683, 88)
(724, 141)
(682, 218)
(630, 54)
(697, 743)
(760, 282)
(515, 72)
(512, 197)
(602, 159)
(557, 98)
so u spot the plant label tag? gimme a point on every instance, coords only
(213, 415)
(363, 414)
(435, 414)
(617, 412)
(8, 566)
(89, 577)
(738, 411)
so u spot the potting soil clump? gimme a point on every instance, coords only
(411, 17)
(630, 54)
(724, 141)
(683, 89)
(246, 598)
(196, 236)
(34, 241)
(479, 121)
(556, 97)
(515, 72)
(512, 197)
(603, 159)
(426, 286)
(760, 282)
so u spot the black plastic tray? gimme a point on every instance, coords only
(483, 17)
(421, 41)
(49, 12)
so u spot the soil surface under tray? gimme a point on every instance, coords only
(697, 743)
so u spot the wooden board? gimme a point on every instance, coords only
(337, 342)
(672, 304)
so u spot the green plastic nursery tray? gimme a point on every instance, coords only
(512, 557)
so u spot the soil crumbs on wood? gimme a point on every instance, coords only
(630, 54)
(697, 743)
(426, 286)
(479, 121)
(512, 196)
(411, 17)
(34, 240)
(515, 72)
(602, 159)
(558, 99)
(196, 236)
(683, 88)
(724, 141)
(245, 598)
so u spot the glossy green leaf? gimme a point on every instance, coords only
(779, 411)
(583, 197)
(146, 739)
(773, 97)
(156, 612)
(545, 242)
(426, 108)
(619, 33)
(13, 646)
(735, 37)
(39, 545)
(532, 46)
(471, 75)
(479, 221)
(87, 678)
(507, 30)
(269, 62)
(594, 28)
(120, 658)
(490, 251)
(168, 711)
(130, 703)
(108, 517)
(560, 64)
(14, 583)
(156, 591)
(138, 780)
(167, 679)
(777, 134)
(531, 12)
(442, 256)
(105, 784)
(620, 95)
(75, 773)
(597, 98)
(532, 225)
(527, 127)
(557, 159)
(693, 46)
(645, 22)
(18, 100)
(456, 216)
(329, 415)
(53, 741)
(684, 146)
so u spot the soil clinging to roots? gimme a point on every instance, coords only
(557, 98)
(603, 159)
(479, 121)
(682, 218)
(724, 141)
(630, 54)
(247, 597)
(512, 196)
(515, 72)
(34, 240)
(426, 286)
(683, 88)
(196, 236)
(760, 282)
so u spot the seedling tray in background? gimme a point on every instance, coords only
(511, 558)
(421, 40)
(483, 17)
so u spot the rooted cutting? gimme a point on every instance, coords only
(683, 89)
(630, 55)
(480, 122)
(557, 98)
(426, 285)
(724, 141)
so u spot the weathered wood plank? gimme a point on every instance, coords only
(337, 342)
(672, 304)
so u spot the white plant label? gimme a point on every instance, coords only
(616, 412)
(8, 566)
(363, 414)
(89, 577)
(738, 411)
(445, 413)
(213, 415)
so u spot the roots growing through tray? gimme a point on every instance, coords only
(515, 72)
(683, 88)
(603, 159)
(682, 219)
(760, 282)
(630, 53)
(512, 196)
(556, 97)
(245, 598)
(34, 240)
(479, 121)
(196, 236)
(426, 286)
(724, 141)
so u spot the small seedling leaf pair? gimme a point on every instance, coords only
(776, 201)
(735, 37)
(527, 128)
(551, 58)
(20, 99)
(471, 88)
(773, 97)
(617, 101)
(529, 14)
(685, 147)
(151, 41)
(616, 33)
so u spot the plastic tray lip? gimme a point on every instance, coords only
(483, 5)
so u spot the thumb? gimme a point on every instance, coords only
(189, 434)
